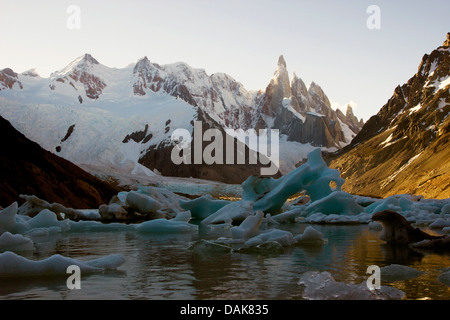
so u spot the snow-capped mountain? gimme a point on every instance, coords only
(405, 148)
(92, 114)
(305, 115)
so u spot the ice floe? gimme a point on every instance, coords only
(322, 286)
(397, 272)
(12, 264)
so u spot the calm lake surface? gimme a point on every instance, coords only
(161, 266)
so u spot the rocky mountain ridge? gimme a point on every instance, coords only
(404, 148)
(159, 99)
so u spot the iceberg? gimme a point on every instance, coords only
(142, 203)
(444, 278)
(397, 272)
(338, 202)
(47, 218)
(165, 226)
(15, 242)
(283, 237)
(206, 247)
(8, 218)
(313, 177)
(12, 264)
(310, 236)
(322, 286)
(203, 207)
(440, 224)
(232, 212)
(249, 227)
(33, 205)
(267, 248)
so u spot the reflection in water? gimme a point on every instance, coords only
(162, 266)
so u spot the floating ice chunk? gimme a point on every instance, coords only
(397, 272)
(8, 218)
(249, 227)
(321, 218)
(288, 216)
(444, 278)
(375, 225)
(142, 203)
(266, 248)
(203, 207)
(12, 264)
(165, 226)
(338, 202)
(314, 177)
(110, 262)
(440, 224)
(47, 218)
(310, 236)
(33, 205)
(15, 242)
(112, 212)
(183, 216)
(204, 247)
(167, 200)
(445, 209)
(322, 286)
(268, 220)
(440, 243)
(42, 232)
(232, 212)
(283, 237)
(96, 226)
(90, 214)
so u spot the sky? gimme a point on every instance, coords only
(357, 55)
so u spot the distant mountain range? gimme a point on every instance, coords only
(94, 115)
(405, 147)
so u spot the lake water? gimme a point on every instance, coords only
(162, 267)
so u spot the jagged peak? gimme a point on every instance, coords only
(90, 59)
(314, 88)
(9, 72)
(141, 64)
(281, 62)
(83, 62)
(447, 41)
(143, 60)
(349, 110)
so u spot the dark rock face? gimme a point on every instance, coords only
(138, 136)
(29, 169)
(159, 157)
(404, 148)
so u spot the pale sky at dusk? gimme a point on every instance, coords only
(327, 42)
